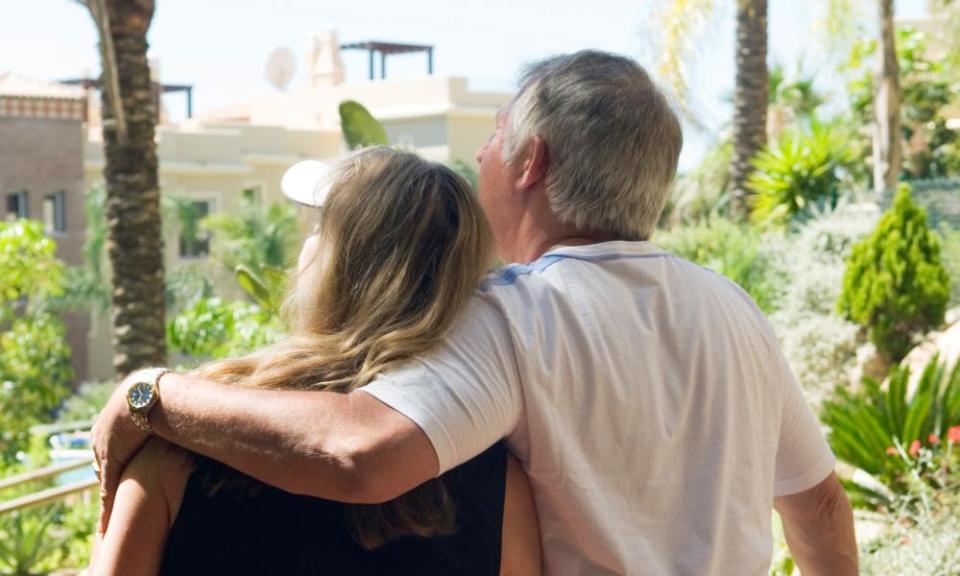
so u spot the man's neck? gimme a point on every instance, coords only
(537, 231)
(536, 245)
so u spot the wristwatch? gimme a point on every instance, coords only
(143, 394)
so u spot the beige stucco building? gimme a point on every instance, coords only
(216, 156)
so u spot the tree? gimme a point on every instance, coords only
(927, 90)
(680, 21)
(34, 355)
(750, 97)
(135, 242)
(886, 140)
(950, 10)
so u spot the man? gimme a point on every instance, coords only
(647, 397)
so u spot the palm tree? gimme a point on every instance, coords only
(886, 140)
(750, 97)
(793, 101)
(681, 21)
(135, 242)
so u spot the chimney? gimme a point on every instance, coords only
(324, 66)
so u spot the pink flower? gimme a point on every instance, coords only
(933, 439)
(914, 448)
(891, 451)
(953, 434)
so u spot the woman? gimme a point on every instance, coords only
(402, 243)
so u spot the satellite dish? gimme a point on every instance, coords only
(280, 68)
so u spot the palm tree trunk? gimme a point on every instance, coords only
(135, 243)
(886, 140)
(750, 97)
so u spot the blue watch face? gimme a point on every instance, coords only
(141, 394)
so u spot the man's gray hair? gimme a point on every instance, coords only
(613, 140)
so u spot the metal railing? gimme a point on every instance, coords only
(44, 473)
(50, 429)
(47, 495)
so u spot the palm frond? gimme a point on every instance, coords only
(680, 24)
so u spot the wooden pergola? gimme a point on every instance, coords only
(388, 49)
(94, 83)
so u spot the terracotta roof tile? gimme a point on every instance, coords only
(19, 86)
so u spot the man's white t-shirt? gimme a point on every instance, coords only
(646, 397)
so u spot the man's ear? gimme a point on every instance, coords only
(536, 160)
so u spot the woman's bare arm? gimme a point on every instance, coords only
(146, 504)
(520, 549)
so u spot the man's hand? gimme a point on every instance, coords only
(116, 439)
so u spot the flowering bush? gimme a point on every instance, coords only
(897, 438)
(924, 522)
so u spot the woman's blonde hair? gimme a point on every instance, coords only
(402, 245)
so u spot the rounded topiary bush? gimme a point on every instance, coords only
(895, 285)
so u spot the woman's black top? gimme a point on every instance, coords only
(275, 532)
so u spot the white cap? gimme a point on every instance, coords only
(307, 182)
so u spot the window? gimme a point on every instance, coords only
(253, 195)
(194, 242)
(55, 213)
(16, 205)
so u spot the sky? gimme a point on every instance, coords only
(222, 46)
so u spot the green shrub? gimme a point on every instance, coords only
(734, 250)
(215, 328)
(211, 327)
(27, 538)
(47, 538)
(820, 346)
(881, 430)
(703, 192)
(895, 285)
(796, 176)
